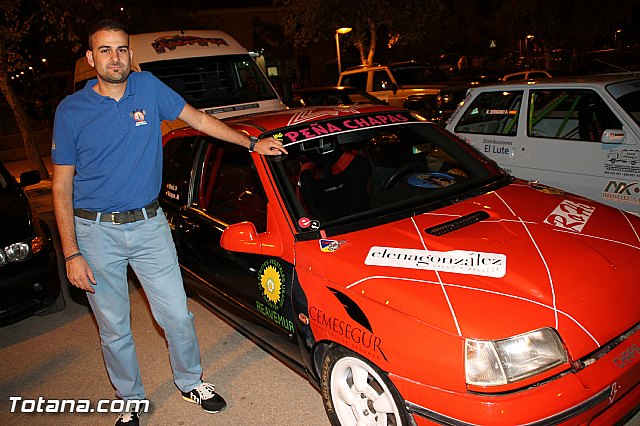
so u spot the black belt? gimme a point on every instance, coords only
(120, 217)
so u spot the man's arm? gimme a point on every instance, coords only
(78, 271)
(213, 127)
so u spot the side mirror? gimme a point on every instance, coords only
(613, 136)
(242, 237)
(29, 178)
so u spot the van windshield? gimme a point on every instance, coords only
(212, 81)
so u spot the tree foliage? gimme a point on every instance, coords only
(374, 22)
(26, 25)
(424, 29)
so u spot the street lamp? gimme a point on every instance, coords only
(339, 31)
(615, 37)
(526, 43)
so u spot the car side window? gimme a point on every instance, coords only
(381, 81)
(579, 114)
(229, 186)
(358, 80)
(492, 113)
(177, 164)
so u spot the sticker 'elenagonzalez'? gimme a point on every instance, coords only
(456, 261)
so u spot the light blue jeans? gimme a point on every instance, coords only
(147, 246)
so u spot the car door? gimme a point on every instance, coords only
(490, 123)
(564, 132)
(251, 289)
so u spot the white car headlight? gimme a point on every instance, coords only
(17, 252)
(499, 362)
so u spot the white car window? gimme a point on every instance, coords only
(492, 113)
(569, 114)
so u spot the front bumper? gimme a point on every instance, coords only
(29, 287)
(603, 393)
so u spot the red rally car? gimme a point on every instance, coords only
(406, 275)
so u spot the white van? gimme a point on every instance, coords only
(211, 70)
(580, 134)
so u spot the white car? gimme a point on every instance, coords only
(579, 134)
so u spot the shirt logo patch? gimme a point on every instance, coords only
(138, 116)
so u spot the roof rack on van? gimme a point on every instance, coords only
(361, 66)
(410, 62)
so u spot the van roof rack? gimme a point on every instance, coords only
(362, 66)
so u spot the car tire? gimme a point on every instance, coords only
(58, 305)
(354, 391)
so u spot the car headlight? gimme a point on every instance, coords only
(17, 252)
(499, 362)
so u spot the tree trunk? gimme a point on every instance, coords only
(372, 42)
(22, 119)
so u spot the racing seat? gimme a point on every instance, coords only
(588, 126)
(335, 185)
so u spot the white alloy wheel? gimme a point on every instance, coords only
(359, 394)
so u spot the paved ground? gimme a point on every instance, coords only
(58, 357)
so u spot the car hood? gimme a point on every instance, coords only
(15, 217)
(522, 266)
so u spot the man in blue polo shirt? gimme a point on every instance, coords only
(107, 155)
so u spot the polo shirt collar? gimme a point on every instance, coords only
(95, 97)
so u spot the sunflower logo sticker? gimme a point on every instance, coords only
(271, 283)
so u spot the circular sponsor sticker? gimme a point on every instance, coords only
(271, 283)
(304, 222)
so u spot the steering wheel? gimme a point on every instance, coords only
(403, 171)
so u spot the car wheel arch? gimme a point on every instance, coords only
(335, 356)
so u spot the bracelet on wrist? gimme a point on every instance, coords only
(73, 256)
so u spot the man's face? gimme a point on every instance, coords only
(110, 55)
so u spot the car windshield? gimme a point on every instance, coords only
(628, 96)
(212, 81)
(348, 170)
(415, 74)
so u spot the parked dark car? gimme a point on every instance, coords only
(332, 95)
(29, 281)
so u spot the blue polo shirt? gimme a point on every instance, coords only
(116, 147)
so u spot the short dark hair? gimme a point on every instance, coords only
(106, 24)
